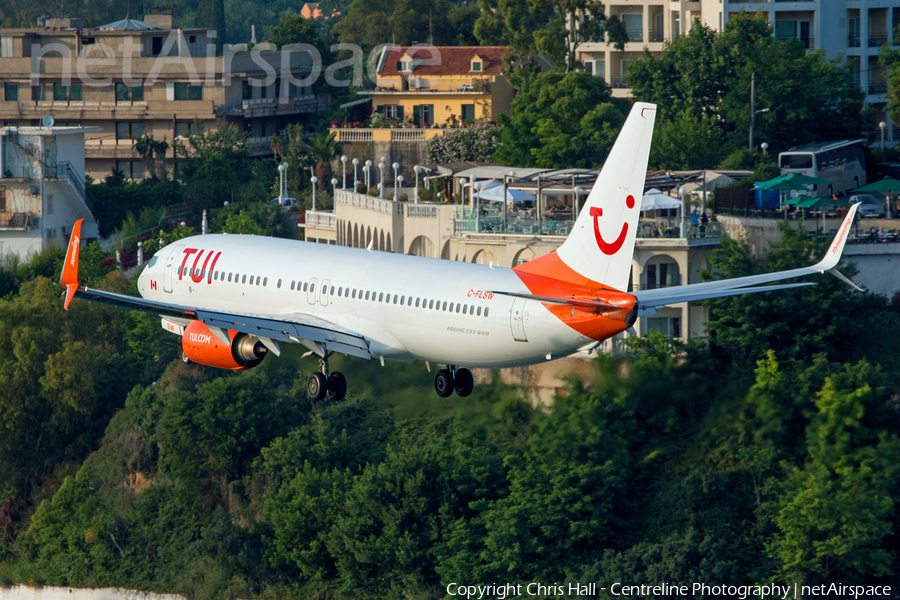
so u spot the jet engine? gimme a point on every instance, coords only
(199, 345)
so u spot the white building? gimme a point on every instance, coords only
(852, 29)
(42, 189)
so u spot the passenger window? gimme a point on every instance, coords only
(367, 295)
(257, 280)
(479, 311)
(465, 307)
(292, 286)
(305, 286)
(266, 281)
(340, 291)
(485, 311)
(229, 278)
(243, 279)
(395, 298)
(458, 307)
(332, 290)
(381, 297)
(353, 294)
(312, 288)
(279, 284)
(431, 304)
(417, 303)
(445, 305)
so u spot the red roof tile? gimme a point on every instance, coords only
(453, 60)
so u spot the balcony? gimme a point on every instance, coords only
(876, 40)
(388, 134)
(808, 41)
(15, 221)
(655, 36)
(878, 87)
(321, 220)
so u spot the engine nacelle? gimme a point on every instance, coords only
(204, 348)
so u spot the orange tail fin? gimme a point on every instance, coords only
(69, 277)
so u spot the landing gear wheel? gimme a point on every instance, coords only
(316, 386)
(465, 383)
(184, 358)
(443, 383)
(337, 387)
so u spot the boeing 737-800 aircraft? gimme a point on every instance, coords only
(233, 298)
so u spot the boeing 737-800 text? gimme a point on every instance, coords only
(233, 298)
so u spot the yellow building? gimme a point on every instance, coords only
(430, 85)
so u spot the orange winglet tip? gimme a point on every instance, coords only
(69, 275)
(70, 293)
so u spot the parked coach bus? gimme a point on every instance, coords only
(841, 162)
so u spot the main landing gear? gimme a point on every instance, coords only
(452, 379)
(321, 385)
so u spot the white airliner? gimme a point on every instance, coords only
(233, 298)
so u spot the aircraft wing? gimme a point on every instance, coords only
(648, 300)
(311, 331)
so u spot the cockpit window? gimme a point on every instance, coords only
(152, 262)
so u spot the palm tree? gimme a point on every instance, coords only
(147, 147)
(324, 148)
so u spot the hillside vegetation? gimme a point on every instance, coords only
(770, 454)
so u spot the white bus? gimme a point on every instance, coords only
(841, 162)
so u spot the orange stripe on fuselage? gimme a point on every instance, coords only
(548, 275)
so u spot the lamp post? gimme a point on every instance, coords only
(381, 185)
(462, 195)
(399, 179)
(314, 180)
(366, 177)
(881, 126)
(282, 169)
(764, 146)
(368, 174)
(753, 110)
(578, 191)
(395, 167)
(334, 184)
(683, 191)
(418, 170)
(344, 171)
(355, 162)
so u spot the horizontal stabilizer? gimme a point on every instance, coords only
(583, 303)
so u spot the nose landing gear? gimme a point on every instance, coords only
(452, 379)
(321, 385)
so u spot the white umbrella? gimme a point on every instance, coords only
(494, 193)
(656, 200)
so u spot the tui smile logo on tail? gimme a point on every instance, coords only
(606, 247)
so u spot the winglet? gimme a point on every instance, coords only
(69, 277)
(833, 256)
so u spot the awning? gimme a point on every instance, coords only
(356, 103)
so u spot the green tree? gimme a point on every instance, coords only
(686, 142)
(476, 143)
(835, 511)
(560, 120)
(708, 74)
(216, 163)
(323, 148)
(369, 23)
(551, 28)
(294, 29)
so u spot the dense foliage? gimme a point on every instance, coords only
(476, 143)
(770, 454)
(701, 82)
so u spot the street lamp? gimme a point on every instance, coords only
(462, 194)
(764, 146)
(881, 126)
(381, 185)
(395, 166)
(314, 180)
(418, 170)
(355, 162)
(334, 183)
(400, 180)
(683, 191)
(368, 174)
(366, 177)
(282, 187)
(344, 170)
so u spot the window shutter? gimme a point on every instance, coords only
(417, 115)
(170, 91)
(400, 112)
